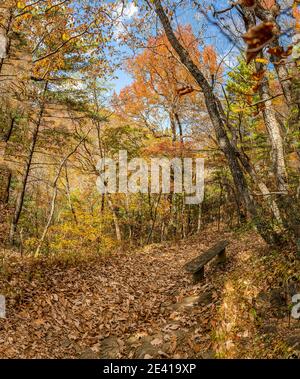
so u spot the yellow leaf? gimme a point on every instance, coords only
(20, 4)
(261, 60)
(65, 37)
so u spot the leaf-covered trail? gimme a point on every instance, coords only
(133, 305)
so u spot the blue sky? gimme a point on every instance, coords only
(123, 80)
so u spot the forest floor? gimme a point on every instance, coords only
(143, 304)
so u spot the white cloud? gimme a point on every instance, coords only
(128, 12)
(124, 15)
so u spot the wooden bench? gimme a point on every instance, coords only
(196, 266)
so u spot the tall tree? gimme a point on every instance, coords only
(216, 114)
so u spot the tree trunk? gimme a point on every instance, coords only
(6, 89)
(173, 126)
(69, 195)
(199, 218)
(54, 196)
(276, 139)
(115, 218)
(179, 127)
(20, 198)
(271, 15)
(5, 28)
(260, 184)
(269, 114)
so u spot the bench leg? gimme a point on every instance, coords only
(222, 256)
(199, 275)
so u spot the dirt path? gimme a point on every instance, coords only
(135, 305)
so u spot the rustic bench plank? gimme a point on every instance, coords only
(196, 266)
